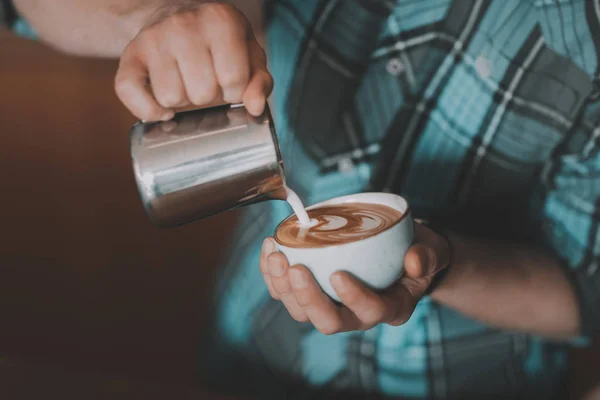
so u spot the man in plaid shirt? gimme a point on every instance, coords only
(484, 114)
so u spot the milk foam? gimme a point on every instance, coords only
(298, 207)
(336, 224)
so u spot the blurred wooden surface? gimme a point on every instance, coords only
(85, 279)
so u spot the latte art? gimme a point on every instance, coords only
(337, 224)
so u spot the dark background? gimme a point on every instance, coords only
(86, 282)
(95, 301)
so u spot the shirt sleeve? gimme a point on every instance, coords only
(570, 197)
(571, 213)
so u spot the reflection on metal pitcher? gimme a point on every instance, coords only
(204, 162)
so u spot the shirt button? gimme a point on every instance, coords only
(483, 66)
(345, 165)
(395, 67)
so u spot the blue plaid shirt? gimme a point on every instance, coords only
(484, 115)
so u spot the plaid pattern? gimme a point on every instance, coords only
(485, 115)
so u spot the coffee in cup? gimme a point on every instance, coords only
(365, 234)
(337, 224)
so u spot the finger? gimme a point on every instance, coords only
(229, 50)
(320, 310)
(412, 289)
(420, 261)
(268, 247)
(274, 295)
(402, 299)
(277, 266)
(131, 88)
(197, 72)
(261, 83)
(278, 271)
(369, 307)
(166, 82)
(294, 309)
(440, 244)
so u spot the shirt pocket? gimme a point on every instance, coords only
(529, 104)
(518, 102)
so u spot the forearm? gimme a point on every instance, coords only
(91, 28)
(98, 28)
(510, 286)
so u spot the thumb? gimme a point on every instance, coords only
(428, 257)
(420, 261)
(421, 264)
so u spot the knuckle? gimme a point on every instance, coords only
(222, 15)
(132, 49)
(124, 85)
(303, 299)
(146, 39)
(280, 286)
(183, 22)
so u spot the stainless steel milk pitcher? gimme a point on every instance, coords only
(204, 162)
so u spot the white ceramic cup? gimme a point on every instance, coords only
(378, 261)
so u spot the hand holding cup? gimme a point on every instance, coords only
(378, 279)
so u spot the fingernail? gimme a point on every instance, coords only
(276, 267)
(167, 116)
(298, 279)
(337, 280)
(268, 246)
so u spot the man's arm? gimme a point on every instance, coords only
(174, 54)
(510, 286)
(90, 28)
(99, 28)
